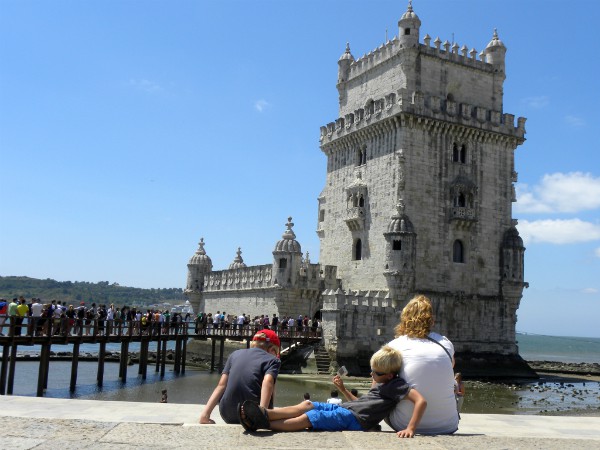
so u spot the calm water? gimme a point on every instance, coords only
(535, 347)
(197, 385)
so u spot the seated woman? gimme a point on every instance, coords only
(428, 367)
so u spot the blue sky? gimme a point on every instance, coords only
(130, 129)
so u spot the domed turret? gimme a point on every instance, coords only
(400, 253)
(200, 258)
(495, 52)
(513, 255)
(344, 64)
(238, 262)
(512, 239)
(287, 258)
(288, 243)
(198, 266)
(408, 28)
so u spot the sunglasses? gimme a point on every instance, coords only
(379, 374)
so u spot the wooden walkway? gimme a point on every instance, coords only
(64, 332)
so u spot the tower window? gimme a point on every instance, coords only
(357, 251)
(361, 201)
(407, 31)
(455, 153)
(397, 245)
(460, 200)
(322, 215)
(459, 155)
(282, 263)
(361, 156)
(458, 255)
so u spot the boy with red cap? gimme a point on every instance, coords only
(249, 374)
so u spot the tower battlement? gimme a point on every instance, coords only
(424, 107)
(450, 52)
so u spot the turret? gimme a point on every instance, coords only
(198, 267)
(513, 253)
(495, 53)
(287, 258)
(400, 254)
(408, 28)
(344, 64)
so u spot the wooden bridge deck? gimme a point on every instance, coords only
(64, 332)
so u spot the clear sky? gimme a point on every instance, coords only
(130, 129)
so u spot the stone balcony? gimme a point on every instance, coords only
(463, 217)
(355, 218)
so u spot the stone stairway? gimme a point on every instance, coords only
(322, 359)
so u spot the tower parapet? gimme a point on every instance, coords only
(425, 108)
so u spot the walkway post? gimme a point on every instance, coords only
(74, 366)
(4, 369)
(101, 355)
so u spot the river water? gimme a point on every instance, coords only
(195, 386)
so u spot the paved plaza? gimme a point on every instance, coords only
(44, 423)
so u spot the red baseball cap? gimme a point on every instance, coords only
(267, 335)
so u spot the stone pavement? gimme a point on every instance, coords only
(47, 423)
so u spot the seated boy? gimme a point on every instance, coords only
(249, 374)
(360, 414)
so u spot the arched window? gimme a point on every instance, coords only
(361, 156)
(458, 255)
(459, 155)
(463, 154)
(357, 250)
(460, 200)
(455, 153)
(361, 201)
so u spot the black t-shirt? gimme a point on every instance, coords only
(246, 369)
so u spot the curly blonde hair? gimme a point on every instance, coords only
(416, 320)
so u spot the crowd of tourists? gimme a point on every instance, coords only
(35, 318)
(38, 318)
(223, 323)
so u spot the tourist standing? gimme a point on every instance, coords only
(36, 314)
(274, 322)
(22, 312)
(3, 314)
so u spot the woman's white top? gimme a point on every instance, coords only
(427, 368)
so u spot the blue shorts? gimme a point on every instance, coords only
(330, 417)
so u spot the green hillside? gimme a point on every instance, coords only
(78, 291)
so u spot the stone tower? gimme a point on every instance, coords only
(419, 189)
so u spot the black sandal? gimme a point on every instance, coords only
(256, 416)
(246, 422)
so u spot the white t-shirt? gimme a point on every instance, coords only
(427, 368)
(36, 309)
(334, 400)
